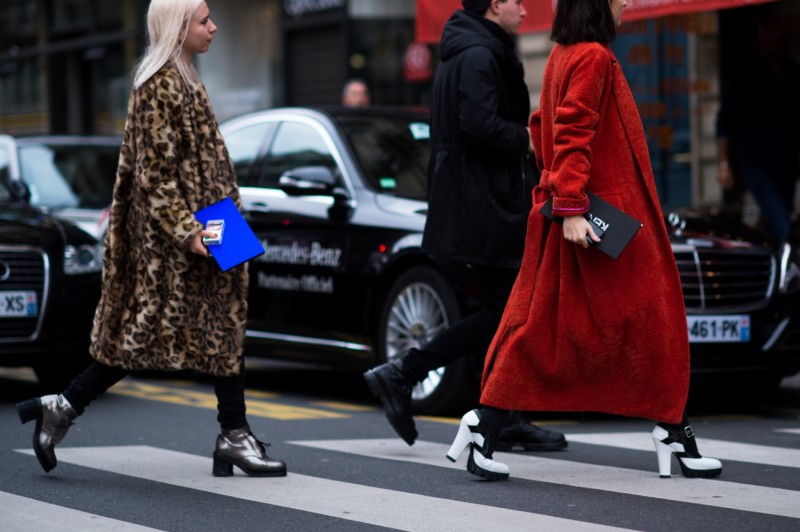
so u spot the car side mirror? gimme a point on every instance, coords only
(20, 190)
(308, 181)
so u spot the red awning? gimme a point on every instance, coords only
(432, 14)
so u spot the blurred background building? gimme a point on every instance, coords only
(65, 64)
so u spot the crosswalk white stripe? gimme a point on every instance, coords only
(22, 514)
(717, 493)
(788, 431)
(353, 502)
(723, 450)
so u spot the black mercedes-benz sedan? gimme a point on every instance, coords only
(49, 288)
(338, 199)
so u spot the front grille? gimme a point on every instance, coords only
(736, 280)
(25, 269)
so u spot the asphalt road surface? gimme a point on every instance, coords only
(140, 459)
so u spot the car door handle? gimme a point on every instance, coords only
(258, 207)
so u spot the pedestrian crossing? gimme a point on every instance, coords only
(343, 500)
(385, 506)
(23, 514)
(718, 493)
(723, 450)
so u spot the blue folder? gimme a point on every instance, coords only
(239, 242)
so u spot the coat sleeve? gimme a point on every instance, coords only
(576, 120)
(159, 158)
(484, 132)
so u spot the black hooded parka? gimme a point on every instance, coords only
(480, 176)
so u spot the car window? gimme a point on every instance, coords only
(393, 153)
(5, 172)
(5, 193)
(295, 145)
(68, 176)
(244, 146)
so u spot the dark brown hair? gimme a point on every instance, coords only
(583, 21)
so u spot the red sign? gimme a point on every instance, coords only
(417, 63)
(432, 14)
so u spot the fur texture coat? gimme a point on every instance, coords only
(582, 331)
(164, 307)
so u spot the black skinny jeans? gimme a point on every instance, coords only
(471, 336)
(98, 378)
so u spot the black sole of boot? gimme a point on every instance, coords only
(224, 468)
(473, 468)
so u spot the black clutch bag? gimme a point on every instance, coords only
(614, 227)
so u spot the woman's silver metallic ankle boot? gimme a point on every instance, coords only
(53, 415)
(241, 449)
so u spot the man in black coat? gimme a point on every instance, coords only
(480, 180)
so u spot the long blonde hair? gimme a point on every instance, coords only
(167, 26)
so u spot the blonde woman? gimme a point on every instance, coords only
(164, 304)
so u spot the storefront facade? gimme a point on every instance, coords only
(65, 64)
(327, 42)
(676, 57)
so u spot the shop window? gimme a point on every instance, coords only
(18, 25)
(70, 16)
(108, 15)
(21, 105)
(654, 56)
(377, 51)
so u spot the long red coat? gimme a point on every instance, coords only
(582, 331)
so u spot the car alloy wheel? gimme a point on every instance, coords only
(417, 315)
(420, 305)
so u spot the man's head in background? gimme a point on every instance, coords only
(355, 94)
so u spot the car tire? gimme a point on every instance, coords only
(419, 305)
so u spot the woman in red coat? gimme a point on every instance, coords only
(582, 331)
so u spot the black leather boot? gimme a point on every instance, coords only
(53, 415)
(241, 449)
(393, 387)
(519, 434)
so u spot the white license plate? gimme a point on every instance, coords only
(719, 328)
(20, 304)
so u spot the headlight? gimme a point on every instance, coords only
(83, 259)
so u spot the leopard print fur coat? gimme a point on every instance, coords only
(162, 306)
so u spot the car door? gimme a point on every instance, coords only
(297, 287)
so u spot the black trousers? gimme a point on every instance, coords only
(98, 378)
(470, 336)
